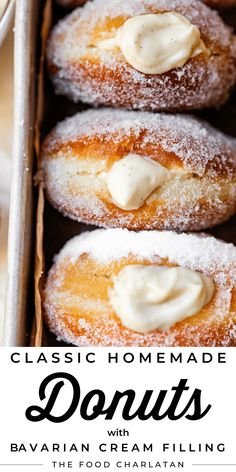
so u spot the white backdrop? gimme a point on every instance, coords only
(19, 390)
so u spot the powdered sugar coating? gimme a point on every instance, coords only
(197, 252)
(194, 142)
(83, 72)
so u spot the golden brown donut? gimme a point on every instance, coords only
(81, 151)
(77, 303)
(83, 70)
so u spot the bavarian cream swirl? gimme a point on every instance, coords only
(151, 297)
(133, 178)
(157, 43)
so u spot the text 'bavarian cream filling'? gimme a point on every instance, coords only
(132, 179)
(151, 297)
(157, 43)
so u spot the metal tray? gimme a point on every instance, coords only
(57, 229)
(19, 307)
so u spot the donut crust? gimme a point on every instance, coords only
(80, 150)
(83, 72)
(77, 307)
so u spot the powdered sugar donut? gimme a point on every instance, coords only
(140, 170)
(111, 287)
(112, 53)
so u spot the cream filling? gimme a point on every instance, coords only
(157, 43)
(132, 179)
(151, 297)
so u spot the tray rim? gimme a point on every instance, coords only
(21, 228)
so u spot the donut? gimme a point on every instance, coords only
(140, 170)
(121, 288)
(112, 53)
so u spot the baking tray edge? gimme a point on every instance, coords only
(21, 233)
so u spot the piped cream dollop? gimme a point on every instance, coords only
(150, 297)
(132, 179)
(157, 43)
